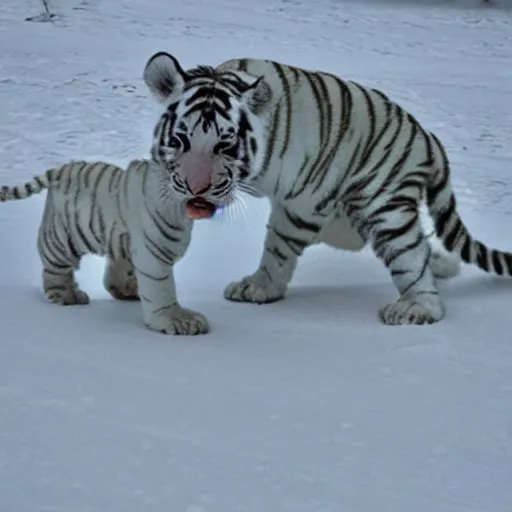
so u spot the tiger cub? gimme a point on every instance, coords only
(127, 216)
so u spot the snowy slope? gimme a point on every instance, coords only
(308, 405)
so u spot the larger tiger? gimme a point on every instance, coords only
(341, 164)
(127, 216)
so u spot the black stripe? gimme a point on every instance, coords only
(323, 162)
(153, 278)
(434, 190)
(300, 223)
(320, 105)
(280, 256)
(507, 256)
(160, 224)
(271, 141)
(465, 253)
(482, 257)
(163, 254)
(372, 119)
(443, 219)
(409, 247)
(496, 263)
(451, 238)
(296, 245)
(287, 106)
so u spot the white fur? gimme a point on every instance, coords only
(315, 127)
(339, 234)
(270, 281)
(115, 219)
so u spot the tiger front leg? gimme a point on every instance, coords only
(399, 241)
(157, 291)
(119, 279)
(287, 237)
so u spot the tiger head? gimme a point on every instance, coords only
(207, 143)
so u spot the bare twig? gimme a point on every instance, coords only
(45, 3)
(45, 16)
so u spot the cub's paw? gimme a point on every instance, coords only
(67, 297)
(416, 310)
(127, 290)
(178, 321)
(120, 281)
(257, 288)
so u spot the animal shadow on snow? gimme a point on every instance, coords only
(360, 302)
(102, 310)
(474, 285)
(306, 302)
(336, 301)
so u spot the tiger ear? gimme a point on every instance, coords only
(258, 95)
(164, 75)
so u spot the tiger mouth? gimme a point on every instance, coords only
(199, 208)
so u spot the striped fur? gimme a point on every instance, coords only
(341, 163)
(127, 216)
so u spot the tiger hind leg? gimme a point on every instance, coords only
(400, 242)
(444, 264)
(60, 258)
(119, 279)
(60, 287)
(340, 234)
(59, 265)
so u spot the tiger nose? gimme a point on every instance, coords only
(198, 188)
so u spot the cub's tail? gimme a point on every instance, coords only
(36, 185)
(450, 228)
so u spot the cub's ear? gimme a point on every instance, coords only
(164, 75)
(258, 95)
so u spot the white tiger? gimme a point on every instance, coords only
(326, 151)
(127, 216)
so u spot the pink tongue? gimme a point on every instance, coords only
(199, 209)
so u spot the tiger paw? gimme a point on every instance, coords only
(417, 310)
(257, 288)
(178, 321)
(120, 281)
(65, 297)
(124, 291)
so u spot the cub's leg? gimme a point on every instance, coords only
(287, 237)
(119, 279)
(60, 260)
(399, 241)
(157, 291)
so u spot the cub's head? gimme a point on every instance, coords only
(207, 142)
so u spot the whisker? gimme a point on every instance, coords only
(239, 208)
(242, 206)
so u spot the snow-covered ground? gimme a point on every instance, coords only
(308, 405)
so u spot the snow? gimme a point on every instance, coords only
(305, 405)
